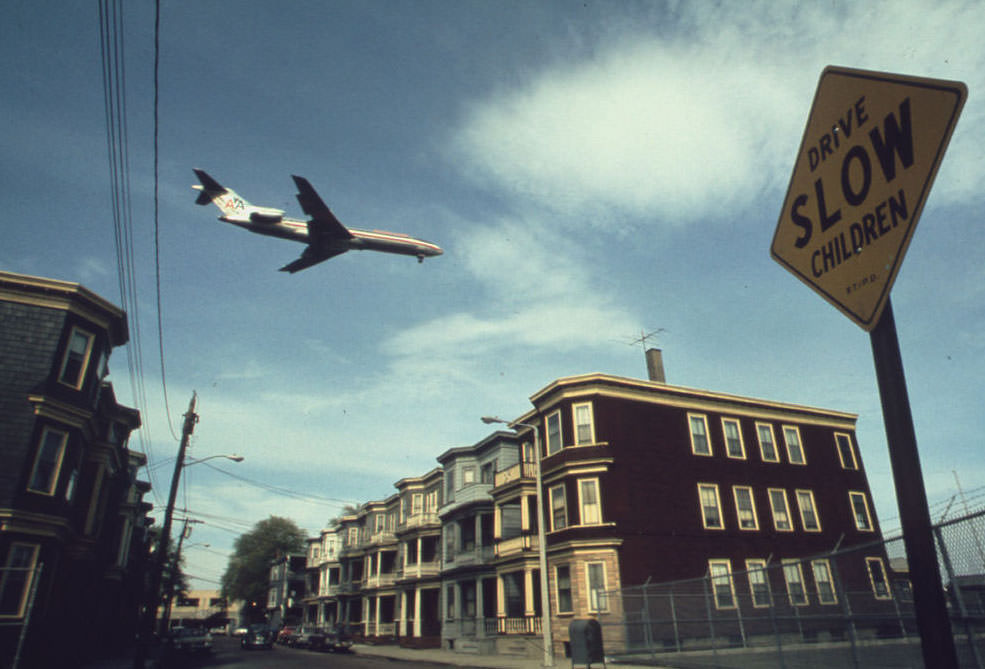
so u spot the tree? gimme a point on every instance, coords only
(248, 572)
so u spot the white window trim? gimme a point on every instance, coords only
(557, 590)
(803, 584)
(731, 583)
(852, 494)
(776, 448)
(704, 419)
(800, 508)
(786, 509)
(28, 582)
(742, 441)
(851, 449)
(605, 587)
(758, 566)
(564, 505)
(547, 432)
(718, 502)
(591, 423)
(86, 357)
(598, 501)
(800, 444)
(752, 502)
(817, 583)
(869, 561)
(59, 459)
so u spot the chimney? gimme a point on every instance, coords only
(655, 365)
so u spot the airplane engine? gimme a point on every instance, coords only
(266, 216)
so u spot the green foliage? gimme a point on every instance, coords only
(248, 572)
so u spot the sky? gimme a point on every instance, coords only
(595, 171)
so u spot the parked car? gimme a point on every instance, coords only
(285, 634)
(257, 636)
(239, 631)
(336, 639)
(189, 640)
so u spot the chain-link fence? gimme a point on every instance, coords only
(849, 607)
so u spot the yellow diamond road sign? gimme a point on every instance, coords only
(868, 158)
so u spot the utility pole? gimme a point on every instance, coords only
(153, 593)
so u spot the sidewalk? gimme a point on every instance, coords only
(450, 657)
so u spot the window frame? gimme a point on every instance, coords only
(554, 415)
(853, 465)
(85, 359)
(786, 509)
(772, 441)
(28, 582)
(468, 475)
(858, 494)
(59, 459)
(563, 507)
(715, 580)
(736, 489)
(718, 503)
(821, 596)
(707, 434)
(758, 566)
(869, 561)
(798, 565)
(813, 509)
(581, 501)
(786, 429)
(594, 598)
(726, 421)
(557, 590)
(576, 425)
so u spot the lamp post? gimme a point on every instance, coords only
(545, 602)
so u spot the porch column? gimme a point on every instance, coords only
(403, 613)
(500, 596)
(524, 513)
(419, 556)
(528, 592)
(417, 612)
(480, 611)
(377, 612)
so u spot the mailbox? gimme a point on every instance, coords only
(586, 642)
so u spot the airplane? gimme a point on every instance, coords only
(325, 236)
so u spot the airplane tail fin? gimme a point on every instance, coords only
(234, 208)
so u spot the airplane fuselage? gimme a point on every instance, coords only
(361, 240)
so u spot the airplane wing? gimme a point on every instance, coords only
(323, 226)
(311, 256)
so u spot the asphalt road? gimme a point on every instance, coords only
(227, 653)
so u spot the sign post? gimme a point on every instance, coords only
(868, 158)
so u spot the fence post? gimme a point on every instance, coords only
(846, 607)
(956, 594)
(776, 628)
(673, 617)
(706, 583)
(645, 618)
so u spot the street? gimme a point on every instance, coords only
(227, 653)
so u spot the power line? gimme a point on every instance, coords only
(304, 497)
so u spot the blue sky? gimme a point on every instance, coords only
(593, 170)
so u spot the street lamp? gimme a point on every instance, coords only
(545, 602)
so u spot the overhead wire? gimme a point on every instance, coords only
(311, 498)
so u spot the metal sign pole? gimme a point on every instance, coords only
(937, 640)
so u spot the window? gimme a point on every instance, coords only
(450, 484)
(487, 472)
(808, 511)
(416, 500)
(795, 451)
(877, 577)
(528, 452)
(553, 432)
(562, 581)
(745, 508)
(767, 445)
(380, 524)
(468, 475)
(780, 509)
(588, 500)
(758, 586)
(845, 451)
(559, 511)
(584, 425)
(431, 501)
(711, 506)
(449, 603)
(699, 434)
(794, 576)
(597, 599)
(15, 579)
(44, 476)
(860, 508)
(824, 582)
(734, 447)
(76, 358)
(720, 572)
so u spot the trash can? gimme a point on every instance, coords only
(585, 637)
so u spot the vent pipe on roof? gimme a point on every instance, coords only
(655, 365)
